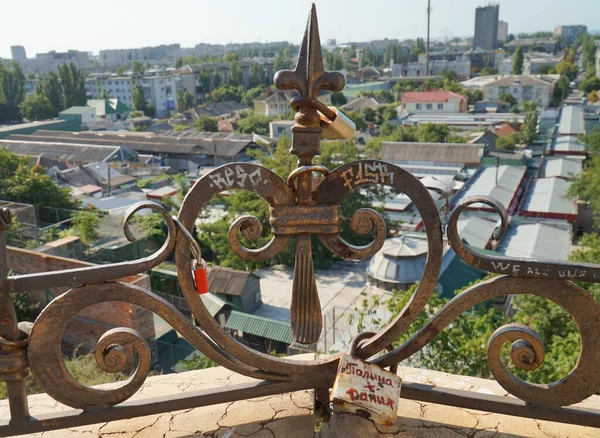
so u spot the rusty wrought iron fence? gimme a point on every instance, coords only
(299, 209)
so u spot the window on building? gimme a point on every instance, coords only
(429, 106)
(280, 129)
(419, 106)
(440, 106)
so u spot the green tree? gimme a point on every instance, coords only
(586, 186)
(475, 95)
(338, 99)
(121, 71)
(26, 183)
(227, 93)
(153, 226)
(73, 84)
(235, 74)
(590, 84)
(204, 76)
(591, 140)
(25, 308)
(185, 100)
(530, 122)
(251, 94)
(49, 86)
(254, 125)
(12, 85)
(508, 98)
(216, 79)
(568, 69)
(86, 225)
(508, 143)
(257, 76)
(517, 66)
(138, 68)
(37, 107)
(545, 69)
(358, 120)
(561, 89)
(206, 124)
(198, 362)
(369, 114)
(488, 71)
(588, 52)
(138, 99)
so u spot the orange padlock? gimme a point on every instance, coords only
(200, 276)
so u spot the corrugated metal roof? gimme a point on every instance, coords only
(484, 183)
(225, 144)
(549, 195)
(227, 281)
(536, 241)
(260, 326)
(562, 167)
(399, 152)
(571, 121)
(59, 151)
(476, 231)
(567, 144)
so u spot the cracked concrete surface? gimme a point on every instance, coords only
(290, 415)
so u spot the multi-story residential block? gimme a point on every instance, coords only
(45, 62)
(160, 90)
(462, 67)
(522, 88)
(486, 27)
(502, 30)
(115, 57)
(598, 61)
(569, 33)
(18, 53)
(415, 102)
(531, 44)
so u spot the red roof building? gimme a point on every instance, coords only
(438, 101)
(508, 129)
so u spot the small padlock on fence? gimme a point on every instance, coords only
(198, 264)
(200, 276)
(365, 389)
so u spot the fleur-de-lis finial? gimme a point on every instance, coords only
(309, 76)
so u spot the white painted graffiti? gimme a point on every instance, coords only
(367, 172)
(229, 178)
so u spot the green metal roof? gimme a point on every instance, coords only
(77, 110)
(458, 275)
(260, 326)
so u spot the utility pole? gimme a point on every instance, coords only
(428, 25)
(108, 179)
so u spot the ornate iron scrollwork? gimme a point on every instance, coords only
(299, 209)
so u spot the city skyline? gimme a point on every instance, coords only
(138, 24)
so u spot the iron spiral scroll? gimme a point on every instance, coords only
(299, 209)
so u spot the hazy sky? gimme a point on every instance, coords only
(43, 25)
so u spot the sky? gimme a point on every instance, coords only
(42, 25)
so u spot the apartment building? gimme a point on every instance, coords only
(522, 88)
(116, 57)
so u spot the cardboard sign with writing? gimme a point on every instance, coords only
(367, 390)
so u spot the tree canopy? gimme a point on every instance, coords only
(517, 65)
(12, 91)
(22, 182)
(206, 124)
